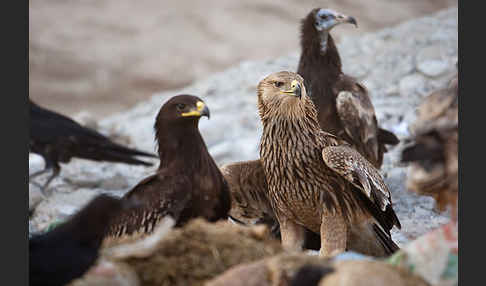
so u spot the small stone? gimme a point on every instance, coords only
(36, 163)
(432, 68)
(411, 84)
(392, 91)
(35, 196)
(67, 210)
(431, 61)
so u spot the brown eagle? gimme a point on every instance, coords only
(248, 191)
(250, 203)
(343, 105)
(315, 180)
(188, 182)
(433, 148)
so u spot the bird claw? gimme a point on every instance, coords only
(36, 184)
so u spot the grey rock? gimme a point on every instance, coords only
(411, 84)
(432, 62)
(35, 196)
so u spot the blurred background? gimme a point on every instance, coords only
(104, 56)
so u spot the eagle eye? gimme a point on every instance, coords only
(278, 83)
(180, 106)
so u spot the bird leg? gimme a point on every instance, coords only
(40, 172)
(55, 172)
(293, 234)
(333, 234)
(48, 166)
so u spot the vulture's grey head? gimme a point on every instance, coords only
(326, 19)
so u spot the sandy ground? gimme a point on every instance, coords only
(104, 56)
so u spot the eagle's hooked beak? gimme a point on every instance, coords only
(201, 110)
(294, 90)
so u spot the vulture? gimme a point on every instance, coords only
(315, 180)
(432, 150)
(187, 184)
(343, 105)
(58, 138)
(69, 250)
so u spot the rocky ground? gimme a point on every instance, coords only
(399, 65)
(106, 55)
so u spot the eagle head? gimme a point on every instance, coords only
(282, 93)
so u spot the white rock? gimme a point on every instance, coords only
(432, 62)
(433, 68)
(411, 84)
(35, 196)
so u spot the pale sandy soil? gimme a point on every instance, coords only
(103, 56)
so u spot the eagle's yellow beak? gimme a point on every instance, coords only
(200, 110)
(294, 90)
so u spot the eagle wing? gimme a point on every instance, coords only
(248, 190)
(353, 167)
(160, 195)
(357, 116)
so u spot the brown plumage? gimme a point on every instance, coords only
(314, 179)
(343, 105)
(250, 204)
(249, 199)
(433, 151)
(248, 191)
(188, 183)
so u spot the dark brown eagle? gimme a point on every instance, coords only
(343, 105)
(188, 183)
(433, 148)
(315, 180)
(57, 138)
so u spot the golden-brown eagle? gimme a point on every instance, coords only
(315, 180)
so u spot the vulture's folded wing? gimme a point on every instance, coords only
(358, 119)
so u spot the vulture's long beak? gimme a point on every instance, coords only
(200, 110)
(346, 19)
(295, 89)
